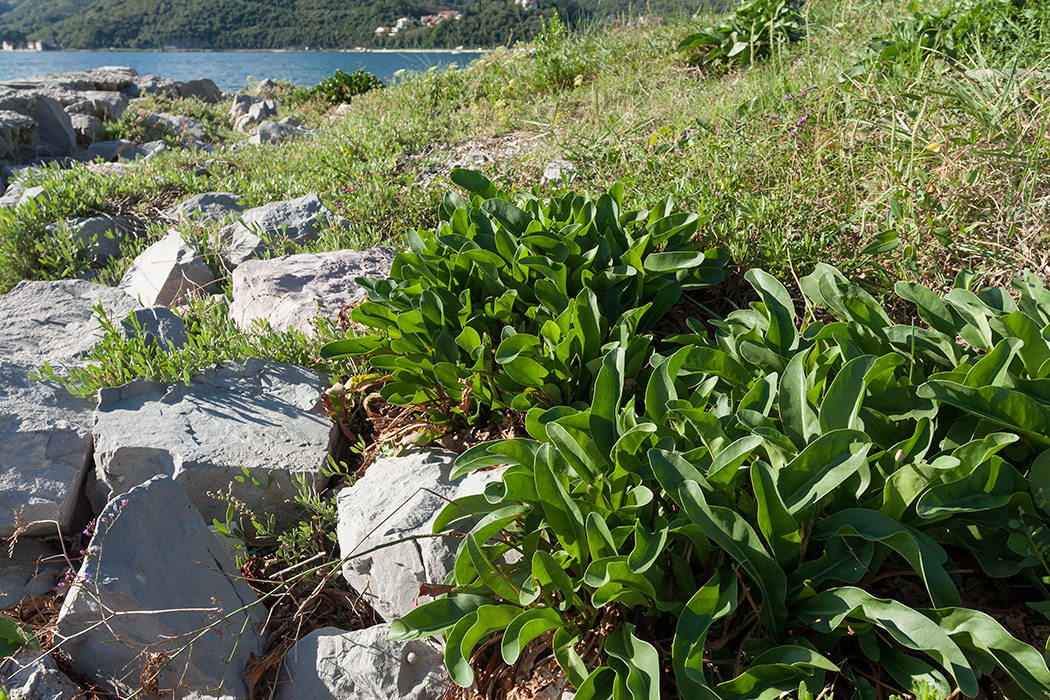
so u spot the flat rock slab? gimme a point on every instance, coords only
(331, 664)
(269, 226)
(259, 416)
(399, 497)
(157, 575)
(208, 206)
(166, 272)
(33, 570)
(54, 321)
(45, 431)
(101, 234)
(294, 290)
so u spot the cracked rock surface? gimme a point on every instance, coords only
(155, 588)
(400, 497)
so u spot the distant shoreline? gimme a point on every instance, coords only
(448, 51)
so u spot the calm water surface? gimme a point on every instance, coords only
(229, 69)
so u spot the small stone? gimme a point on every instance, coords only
(166, 272)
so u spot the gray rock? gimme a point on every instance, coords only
(208, 206)
(202, 89)
(12, 195)
(35, 194)
(153, 85)
(330, 664)
(145, 151)
(33, 570)
(53, 136)
(103, 105)
(293, 291)
(54, 321)
(16, 134)
(557, 171)
(107, 151)
(166, 272)
(275, 132)
(103, 234)
(263, 228)
(186, 128)
(111, 169)
(246, 111)
(259, 416)
(399, 497)
(155, 574)
(87, 127)
(34, 675)
(264, 85)
(158, 326)
(46, 432)
(104, 79)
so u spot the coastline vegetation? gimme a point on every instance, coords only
(823, 474)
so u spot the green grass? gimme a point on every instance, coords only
(912, 174)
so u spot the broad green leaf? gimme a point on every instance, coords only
(715, 599)
(823, 465)
(827, 611)
(731, 532)
(774, 673)
(525, 627)
(435, 617)
(923, 554)
(1003, 407)
(466, 635)
(798, 415)
(775, 522)
(782, 333)
(642, 660)
(841, 405)
(563, 514)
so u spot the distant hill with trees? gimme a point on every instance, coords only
(264, 24)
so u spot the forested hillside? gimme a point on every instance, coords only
(261, 24)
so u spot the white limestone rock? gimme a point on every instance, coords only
(33, 569)
(207, 206)
(263, 228)
(259, 416)
(167, 271)
(157, 575)
(331, 664)
(294, 290)
(399, 497)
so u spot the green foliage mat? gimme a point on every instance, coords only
(750, 523)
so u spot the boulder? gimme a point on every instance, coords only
(144, 151)
(103, 234)
(399, 497)
(186, 128)
(16, 134)
(276, 132)
(106, 151)
(157, 326)
(153, 85)
(292, 291)
(31, 569)
(263, 417)
(103, 105)
(12, 195)
(155, 574)
(202, 89)
(246, 111)
(53, 136)
(111, 169)
(45, 431)
(35, 194)
(104, 79)
(330, 664)
(54, 322)
(208, 206)
(34, 675)
(166, 272)
(87, 127)
(262, 228)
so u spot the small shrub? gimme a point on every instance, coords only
(755, 30)
(340, 87)
(786, 507)
(511, 303)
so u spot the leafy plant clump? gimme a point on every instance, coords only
(755, 30)
(511, 303)
(340, 87)
(786, 508)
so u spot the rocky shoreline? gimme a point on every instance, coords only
(153, 604)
